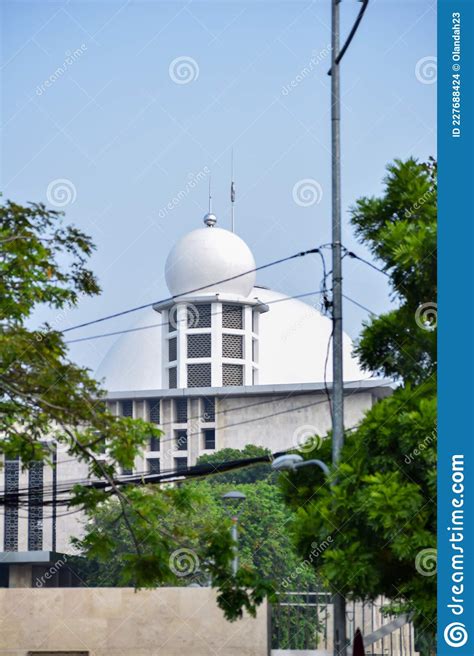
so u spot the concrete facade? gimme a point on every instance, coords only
(277, 417)
(121, 622)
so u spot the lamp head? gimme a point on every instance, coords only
(287, 462)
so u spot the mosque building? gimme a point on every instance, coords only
(223, 364)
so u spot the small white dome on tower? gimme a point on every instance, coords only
(207, 255)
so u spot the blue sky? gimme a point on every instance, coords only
(118, 125)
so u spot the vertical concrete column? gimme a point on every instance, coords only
(182, 323)
(194, 430)
(247, 345)
(216, 344)
(165, 330)
(166, 447)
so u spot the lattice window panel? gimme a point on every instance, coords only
(181, 406)
(154, 410)
(153, 465)
(172, 349)
(201, 316)
(154, 443)
(233, 346)
(199, 346)
(180, 464)
(210, 438)
(199, 375)
(209, 413)
(255, 321)
(35, 507)
(232, 374)
(181, 438)
(12, 478)
(127, 471)
(126, 408)
(232, 316)
(173, 378)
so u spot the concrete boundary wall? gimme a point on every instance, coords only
(122, 622)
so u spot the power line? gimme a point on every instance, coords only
(363, 307)
(362, 259)
(193, 291)
(66, 486)
(322, 291)
(167, 323)
(351, 34)
(147, 479)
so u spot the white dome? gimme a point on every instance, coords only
(292, 348)
(205, 256)
(133, 362)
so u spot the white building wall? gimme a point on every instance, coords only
(280, 423)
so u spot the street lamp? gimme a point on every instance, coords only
(292, 461)
(234, 500)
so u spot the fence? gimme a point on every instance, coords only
(303, 621)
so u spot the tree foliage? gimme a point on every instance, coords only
(264, 542)
(47, 400)
(249, 474)
(399, 227)
(380, 510)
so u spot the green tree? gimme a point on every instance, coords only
(265, 546)
(46, 398)
(250, 474)
(381, 513)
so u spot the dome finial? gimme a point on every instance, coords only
(210, 219)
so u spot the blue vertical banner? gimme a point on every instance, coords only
(456, 327)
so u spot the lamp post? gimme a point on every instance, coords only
(291, 462)
(234, 500)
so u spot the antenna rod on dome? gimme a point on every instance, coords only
(232, 190)
(210, 195)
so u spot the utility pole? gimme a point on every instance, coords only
(339, 603)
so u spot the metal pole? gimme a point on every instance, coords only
(235, 537)
(338, 391)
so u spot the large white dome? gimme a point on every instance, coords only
(205, 256)
(294, 340)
